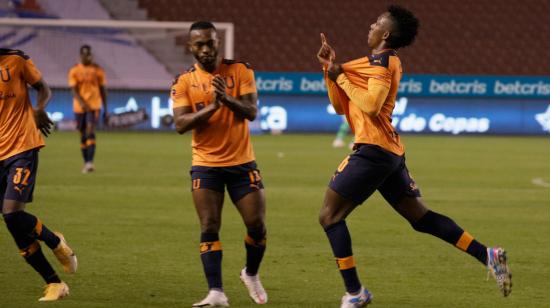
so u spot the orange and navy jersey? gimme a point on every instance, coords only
(18, 131)
(385, 69)
(225, 139)
(88, 79)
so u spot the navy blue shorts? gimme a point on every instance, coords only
(17, 176)
(240, 180)
(85, 118)
(371, 168)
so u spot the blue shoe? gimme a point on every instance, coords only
(496, 263)
(356, 301)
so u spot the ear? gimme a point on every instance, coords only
(189, 48)
(386, 35)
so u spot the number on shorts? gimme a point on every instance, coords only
(21, 173)
(343, 164)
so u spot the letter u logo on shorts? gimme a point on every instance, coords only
(5, 74)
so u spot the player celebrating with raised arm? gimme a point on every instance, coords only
(87, 82)
(20, 142)
(365, 90)
(216, 98)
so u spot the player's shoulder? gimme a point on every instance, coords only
(382, 59)
(14, 52)
(183, 75)
(236, 63)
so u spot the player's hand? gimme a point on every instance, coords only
(43, 122)
(326, 54)
(219, 88)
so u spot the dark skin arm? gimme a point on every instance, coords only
(43, 122)
(326, 57)
(245, 106)
(79, 98)
(103, 94)
(185, 119)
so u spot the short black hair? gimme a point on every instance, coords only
(85, 47)
(406, 27)
(202, 25)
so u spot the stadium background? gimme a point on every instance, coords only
(477, 68)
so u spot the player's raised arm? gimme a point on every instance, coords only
(245, 105)
(43, 122)
(185, 119)
(369, 101)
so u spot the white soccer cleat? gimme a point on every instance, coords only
(338, 143)
(498, 267)
(214, 298)
(254, 286)
(88, 167)
(356, 301)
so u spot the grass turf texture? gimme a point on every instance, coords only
(134, 228)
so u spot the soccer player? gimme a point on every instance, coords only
(216, 98)
(365, 90)
(20, 141)
(87, 81)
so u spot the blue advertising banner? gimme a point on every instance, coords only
(417, 85)
(301, 113)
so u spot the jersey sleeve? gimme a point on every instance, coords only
(381, 76)
(179, 93)
(247, 84)
(31, 74)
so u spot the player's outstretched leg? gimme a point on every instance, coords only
(443, 227)
(497, 263)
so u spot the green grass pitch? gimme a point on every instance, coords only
(134, 227)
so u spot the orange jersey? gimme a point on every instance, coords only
(88, 79)
(18, 131)
(385, 68)
(225, 139)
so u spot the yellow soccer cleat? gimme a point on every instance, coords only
(65, 255)
(54, 291)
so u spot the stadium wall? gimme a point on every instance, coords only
(427, 104)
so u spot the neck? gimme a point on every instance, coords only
(211, 67)
(380, 47)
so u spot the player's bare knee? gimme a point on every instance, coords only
(210, 225)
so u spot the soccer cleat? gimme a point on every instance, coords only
(498, 267)
(54, 291)
(254, 286)
(338, 143)
(88, 167)
(354, 301)
(65, 255)
(214, 298)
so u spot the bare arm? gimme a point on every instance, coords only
(79, 98)
(244, 106)
(185, 119)
(43, 122)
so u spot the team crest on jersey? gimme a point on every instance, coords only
(5, 74)
(229, 82)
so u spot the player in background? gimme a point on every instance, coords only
(343, 131)
(216, 98)
(20, 141)
(365, 90)
(87, 82)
